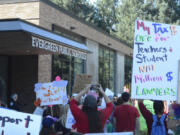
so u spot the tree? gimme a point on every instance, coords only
(162, 11)
(127, 13)
(80, 8)
(106, 10)
(102, 15)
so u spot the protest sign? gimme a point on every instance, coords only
(70, 119)
(17, 123)
(52, 93)
(118, 133)
(155, 61)
(80, 82)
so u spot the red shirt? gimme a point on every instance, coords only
(125, 118)
(82, 119)
(148, 116)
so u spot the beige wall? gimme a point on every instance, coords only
(120, 72)
(29, 11)
(44, 15)
(50, 15)
(44, 68)
(26, 11)
(33, 11)
(92, 65)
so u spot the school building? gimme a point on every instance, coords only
(39, 40)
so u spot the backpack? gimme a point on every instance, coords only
(158, 127)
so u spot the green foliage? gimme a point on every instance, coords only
(107, 10)
(162, 11)
(103, 14)
(121, 14)
(128, 11)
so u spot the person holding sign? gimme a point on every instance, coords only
(153, 120)
(89, 119)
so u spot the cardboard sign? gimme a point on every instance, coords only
(155, 61)
(52, 93)
(70, 119)
(80, 82)
(118, 133)
(17, 123)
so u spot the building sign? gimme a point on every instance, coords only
(56, 48)
(18, 123)
(155, 61)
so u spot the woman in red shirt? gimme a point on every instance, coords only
(89, 119)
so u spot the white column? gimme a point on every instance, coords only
(44, 68)
(92, 64)
(120, 72)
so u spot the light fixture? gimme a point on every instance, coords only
(72, 27)
(28, 51)
(109, 44)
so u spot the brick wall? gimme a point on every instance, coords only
(26, 11)
(50, 15)
(33, 11)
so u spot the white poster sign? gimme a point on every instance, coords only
(17, 123)
(52, 93)
(155, 61)
(117, 133)
(70, 119)
(108, 93)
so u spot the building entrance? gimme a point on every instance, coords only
(3, 78)
(18, 74)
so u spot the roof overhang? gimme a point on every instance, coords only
(18, 37)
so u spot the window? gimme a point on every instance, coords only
(68, 34)
(128, 69)
(107, 59)
(67, 67)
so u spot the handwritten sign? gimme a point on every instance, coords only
(118, 133)
(12, 122)
(80, 82)
(70, 119)
(52, 93)
(155, 61)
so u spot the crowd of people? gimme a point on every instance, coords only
(119, 114)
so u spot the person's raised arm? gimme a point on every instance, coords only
(107, 100)
(144, 111)
(77, 98)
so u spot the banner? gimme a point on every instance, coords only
(17, 123)
(118, 133)
(155, 61)
(80, 82)
(52, 93)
